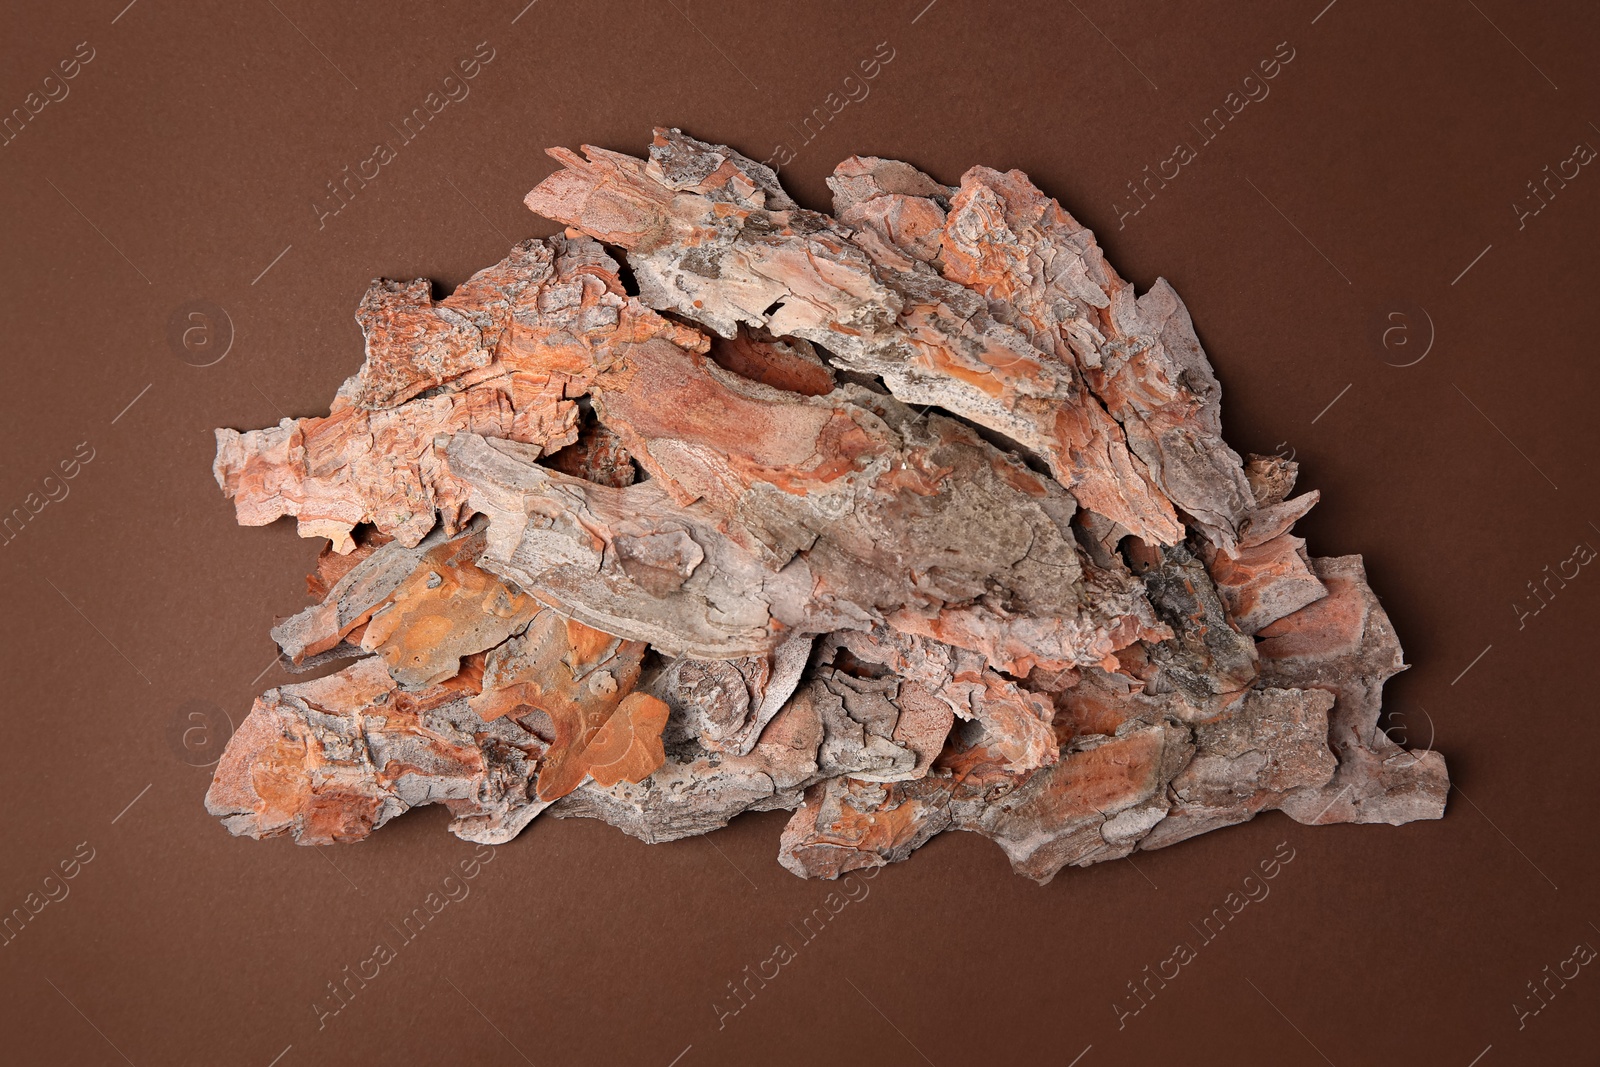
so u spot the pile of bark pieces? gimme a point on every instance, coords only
(907, 519)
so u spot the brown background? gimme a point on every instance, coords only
(1385, 159)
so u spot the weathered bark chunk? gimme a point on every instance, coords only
(1265, 582)
(846, 824)
(1275, 743)
(445, 609)
(578, 684)
(1345, 644)
(334, 759)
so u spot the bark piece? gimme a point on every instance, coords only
(353, 597)
(1016, 721)
(1274, 743)
(1093, 805)
(421, 609)
(825, 549)
(895, 203)
(1346, 645)
(333, 759)
(627, 746)
(1138, 355)
(697, 790)
(1263, 583)
(446, 608)
(1273, 520)
(577, 683)
(847, 823)
(724, 705)
(1271, 478)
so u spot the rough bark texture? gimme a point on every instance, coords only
(931, 527)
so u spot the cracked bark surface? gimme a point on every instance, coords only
(909, 518)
